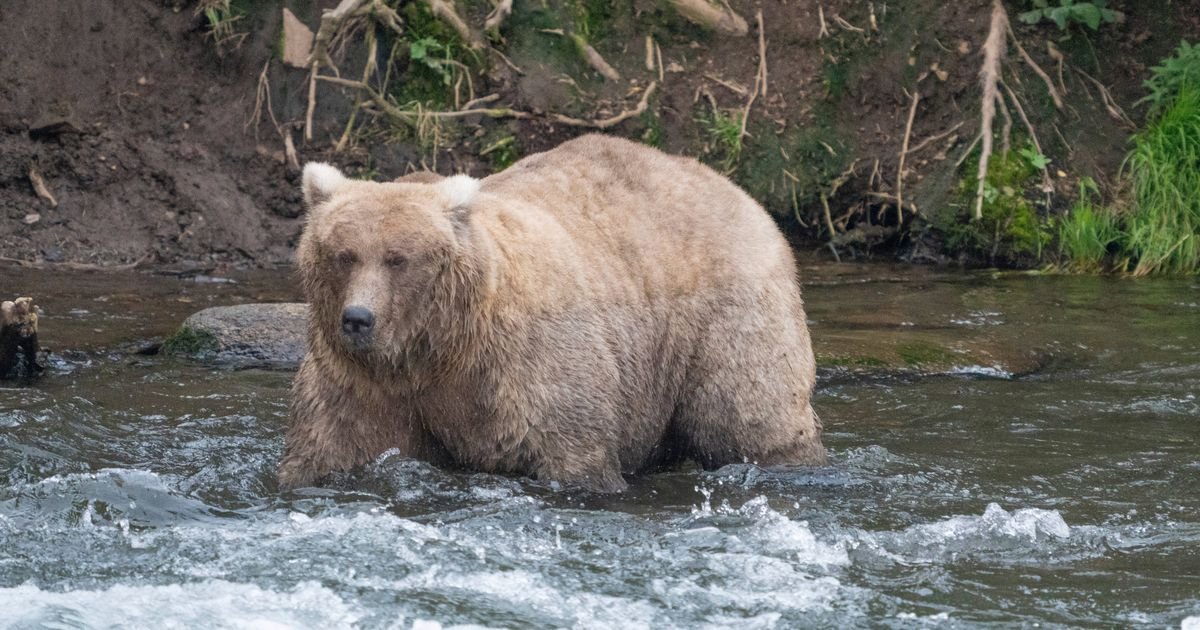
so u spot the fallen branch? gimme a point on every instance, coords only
(993, 53)
(721, 19)
(605, 123)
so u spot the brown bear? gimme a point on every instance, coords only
(596, 310)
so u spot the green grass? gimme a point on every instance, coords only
(1164, 170)
(1086, 237)
(724, 133)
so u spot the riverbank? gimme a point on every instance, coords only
(168, 136)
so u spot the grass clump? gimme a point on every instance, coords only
(724, 134)
(1164, 171)
(1160, 232)
(1089, 234)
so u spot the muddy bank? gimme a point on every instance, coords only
(129, 135)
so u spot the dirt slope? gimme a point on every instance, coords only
(147, 138)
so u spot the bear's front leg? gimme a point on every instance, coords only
(341, 419)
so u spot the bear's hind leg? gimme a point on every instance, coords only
(749, 385)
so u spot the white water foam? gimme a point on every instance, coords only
(209, 604)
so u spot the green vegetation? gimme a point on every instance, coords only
(849, 361)
(501, 149)
(1160, 233)
(919, 353)
(1088, 234)
(1067, 12)
(1172, 77)
(189, 342)
(1164, 169)
(222, 17)
(1011, 228)
(724, 138)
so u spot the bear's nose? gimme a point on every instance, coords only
(357, 320)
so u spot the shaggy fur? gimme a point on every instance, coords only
(596, 310)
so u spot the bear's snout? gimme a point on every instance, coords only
(357, 321)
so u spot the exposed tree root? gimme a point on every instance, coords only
(1058, 101)
(912, 115)
(589, 55)
(993, 54)
(496, 19)
(444, 10)
(1047, 187)
(760, 76)
(594, 59)
(605, 123)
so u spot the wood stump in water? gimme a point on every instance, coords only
(18, 339)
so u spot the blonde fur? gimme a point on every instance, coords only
(596, 310)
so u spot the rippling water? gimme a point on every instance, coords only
(137, 491)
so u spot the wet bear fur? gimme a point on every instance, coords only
(594, 311)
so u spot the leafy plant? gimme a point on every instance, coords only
(1010, 228)
(1035, 159)
(1176, 73)
(1091, 14)
(433, 55)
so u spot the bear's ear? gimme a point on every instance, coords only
(458, 190)
(320, 182)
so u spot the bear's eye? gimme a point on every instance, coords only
(396, 261)
(345, 257)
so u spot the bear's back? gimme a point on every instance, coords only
(635, 219)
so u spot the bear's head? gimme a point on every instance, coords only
(374, 257)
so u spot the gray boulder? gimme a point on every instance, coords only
(246, 335)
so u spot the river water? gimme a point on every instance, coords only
(137, 491)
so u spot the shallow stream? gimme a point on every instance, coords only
(138, 490)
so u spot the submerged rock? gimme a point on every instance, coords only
(245, 335)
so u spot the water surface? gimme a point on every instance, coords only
(138, 491)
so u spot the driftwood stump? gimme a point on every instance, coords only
(18, 339)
